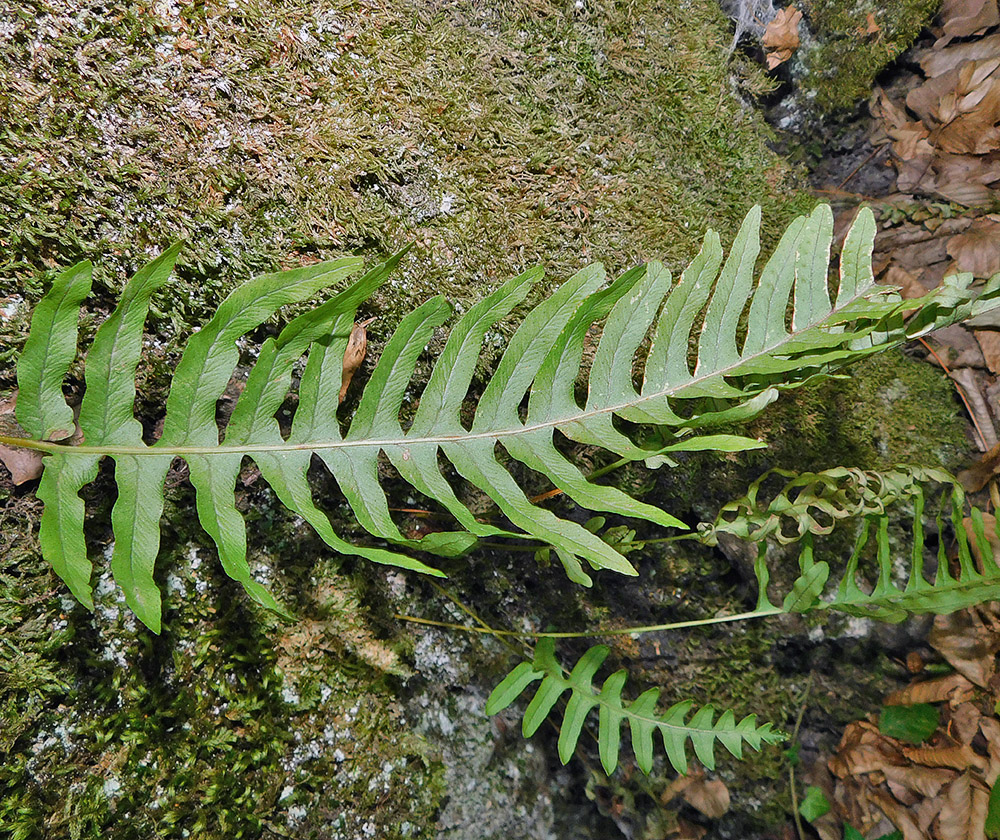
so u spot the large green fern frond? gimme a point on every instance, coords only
(719, 349)
(673, 725)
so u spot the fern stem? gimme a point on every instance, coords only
(791, 766)
(588, 634)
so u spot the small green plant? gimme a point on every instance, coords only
(717, 348)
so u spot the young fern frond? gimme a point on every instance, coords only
(794, 332)
(673, 726)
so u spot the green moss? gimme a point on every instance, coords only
(852, 42)
(889, 410)
(276, 133)
(492, 136)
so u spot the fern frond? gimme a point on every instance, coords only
(813, 504)
(733, 377)
(675, 729)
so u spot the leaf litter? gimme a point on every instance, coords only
(938, 789)
(941, 128)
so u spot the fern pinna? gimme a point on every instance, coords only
(719, 349)
(869, 586)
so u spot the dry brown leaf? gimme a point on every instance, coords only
(926, 781)
(961, 18)
(863, 749)
(972, 385)
(908, 284)
(989, 343)
(871, 25)
(935, 62)
(964, 722)
(964, 179)
(909, 138)
(976, 477)
(932, 691)
(781, 36)
(23, 464)
(953, 819)
(354, 355)
(977, 819)
(969, 645)
(898, 815)
(957, 757)
(977, 250)
(990, 727)
(709, 797)
(925, 100)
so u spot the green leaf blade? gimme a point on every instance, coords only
(48, 353)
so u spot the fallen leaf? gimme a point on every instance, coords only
(961, 18)
(976, 477)
(958, 758)
(979, 813)
(926, 781)
(871, 26)
(24, 464)
(977, 250)
(781, 36)
(968, 643)
(898, 815)
(354, 355)
(964, 723)
(955, 815)
(989, 343)
(709, 797)
(935, 62)
(933, 691)
(907, 283)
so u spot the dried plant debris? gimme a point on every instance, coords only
(961, 18)
(938, 785)
(23, 464)
(781, 36)
(945, 138)
(942, 128)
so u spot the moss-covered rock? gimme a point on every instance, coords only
(274, 134)
(851, 42)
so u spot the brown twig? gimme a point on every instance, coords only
(961, 394)
(857, 168)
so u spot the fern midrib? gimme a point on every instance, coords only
(627, 713)
(404, 440)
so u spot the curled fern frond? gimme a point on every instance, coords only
(794, 332)
(674, 726)
(881, 579)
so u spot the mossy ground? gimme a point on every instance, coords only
(279, 132)
(851, 43)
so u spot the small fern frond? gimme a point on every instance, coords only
(674, 727)
(871, 584)
(794, 333)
